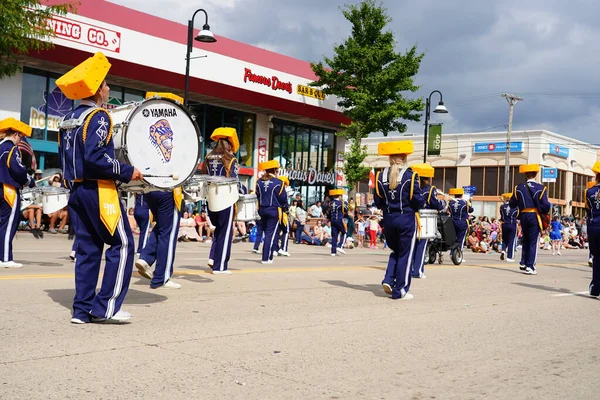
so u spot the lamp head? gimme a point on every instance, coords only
(205, 35)
(441, 108)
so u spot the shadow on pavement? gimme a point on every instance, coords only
(553, 289)
(43, 263)
(514, 271)
(375, 289)
(64, 297)
(569, 268)
(192, 278)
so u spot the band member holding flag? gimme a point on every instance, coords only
(508, 216)
(532, 200)
(426, 173)
(87, 155)
(13, 177)
(398, 194)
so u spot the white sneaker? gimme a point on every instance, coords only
(407, 296)
(420, 277)
(120, 316)
(284, 253)
(170, 285)
(211, 262)
(530, 271)
(591, 262)
(217, 272)
(510, 259)
(255, 251)
(267, 262)
(10, 264)
(275, 254)
(143, 269)
(387, 288)
(72, 255)
(77, 321)
(558, 252)
(340, 250)
(332, 254)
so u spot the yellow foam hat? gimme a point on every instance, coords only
(284, 179)
(263, 166)
(228, 134)
(15, 125)
(84, 80)
(424, 170)
(523, 169)
(165, 95)
(392, 148)
(336, 192)
(506, 195)
(596, 167)
(590, 184)
(455, 191)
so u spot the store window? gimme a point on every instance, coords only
(444, 179)
(557, 190)
(489, 181)
(579, 187)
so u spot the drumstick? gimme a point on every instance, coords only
(175, 176)
(44, 179)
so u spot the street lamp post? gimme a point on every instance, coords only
(205, 36)
(440, 109)
(512, 100)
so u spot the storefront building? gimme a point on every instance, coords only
(477, 160)
(264, 95)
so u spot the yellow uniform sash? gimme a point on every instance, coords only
(285, 219)
(10, 195)
(178, 197)
(110, 207)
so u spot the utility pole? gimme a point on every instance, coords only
(512, 100)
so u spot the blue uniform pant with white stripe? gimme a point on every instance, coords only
(142, 218)
(259, 235)
(531, 238)
(163, 236)
(284, 236)
(220, 250)
(400, 234)
(418, 266)
(594, 242)
(337, 228)
(462, 228)
(509, 238)
(269, 218)
(91, 236)
(9, 222)
(73, 221)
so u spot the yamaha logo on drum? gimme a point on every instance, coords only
(160, 112)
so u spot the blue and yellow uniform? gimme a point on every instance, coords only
(338, 209)
(13, 177)
(280, 246)
(459, 211)
(214, 165)
(592, 202)
(531, 198)
(142, 215)
(272, 203)
(431, 203)
(399, 205)
(87, 156)
(508, 216)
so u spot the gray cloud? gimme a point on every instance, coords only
(544, 50)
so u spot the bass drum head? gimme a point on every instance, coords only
(162, 139)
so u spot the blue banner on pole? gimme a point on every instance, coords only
(497, 147)
(558, 151)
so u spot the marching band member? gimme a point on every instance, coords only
(143, 218)
(87, 155)
(13, 177)
(592, 201)
(166, 206)
(532, 200)
(460, 210)
(590, 185)
(508, 216)
(337, 209)
(284, 227)
(426, 173)
(272, 202)
(222, 162)
(397, 193)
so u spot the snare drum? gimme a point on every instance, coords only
(247, 208)
(30, 196)
(159, 137)
(428, 219)
(194, 189)
(222, 192)
(54, 198)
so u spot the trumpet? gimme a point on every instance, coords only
(447, 197)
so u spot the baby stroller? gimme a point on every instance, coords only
(444, 241)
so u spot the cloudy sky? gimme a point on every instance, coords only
(546, 51)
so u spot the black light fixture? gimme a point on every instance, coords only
(440, 109)
(205, 36)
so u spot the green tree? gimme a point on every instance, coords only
(24, 28)
(369, 77)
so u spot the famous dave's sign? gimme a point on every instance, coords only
(310, 176)
(90, 35)
(273, 82)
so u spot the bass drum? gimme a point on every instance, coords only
(159, 137)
